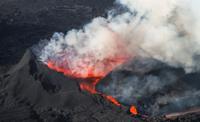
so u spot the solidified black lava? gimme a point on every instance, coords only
(30, 91)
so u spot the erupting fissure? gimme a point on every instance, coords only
(92, 76)
(163, 30)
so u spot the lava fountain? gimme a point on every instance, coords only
(93, 75)
(89, 67)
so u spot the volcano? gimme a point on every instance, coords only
(139, 61)
(31, 91)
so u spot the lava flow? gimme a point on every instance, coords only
(93, 75)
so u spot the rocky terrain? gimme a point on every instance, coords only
(29, 90)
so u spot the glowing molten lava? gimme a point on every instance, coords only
(92, 74)
(113, 100)
(133, 110)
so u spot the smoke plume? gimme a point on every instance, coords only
(162, 30)
(166, 30)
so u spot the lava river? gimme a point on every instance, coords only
(93, 76)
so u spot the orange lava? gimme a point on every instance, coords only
(88, 87)
(113, 100)
(133, 110)
(94, 75)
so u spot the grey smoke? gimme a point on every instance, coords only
(143, 77)
(154, 87)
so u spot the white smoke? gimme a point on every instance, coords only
(169, 30)
(166, 30)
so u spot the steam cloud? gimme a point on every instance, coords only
(164, 30)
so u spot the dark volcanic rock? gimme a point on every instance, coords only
(30, 91)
